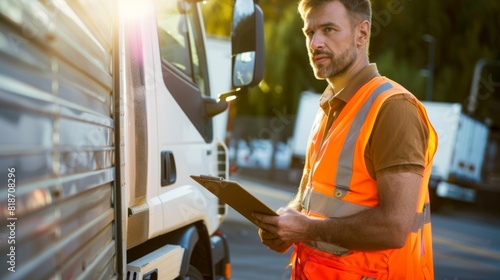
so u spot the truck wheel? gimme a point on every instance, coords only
(193, 274)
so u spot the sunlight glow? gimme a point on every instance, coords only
(133, 10)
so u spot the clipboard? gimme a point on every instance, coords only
(235, 195)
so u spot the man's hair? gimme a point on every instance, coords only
(358, 9)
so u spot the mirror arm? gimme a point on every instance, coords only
(213, 108)
(232, 94)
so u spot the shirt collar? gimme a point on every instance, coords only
(365, 75)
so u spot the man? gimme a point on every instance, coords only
(362, 209)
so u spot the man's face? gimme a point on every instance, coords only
(330, 40)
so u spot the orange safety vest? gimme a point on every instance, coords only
(340, 186)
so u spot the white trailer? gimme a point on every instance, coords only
(458, 163)
(306, 112)
(105, 110)
(219, 65)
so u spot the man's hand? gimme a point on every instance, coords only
(273, 242)
(278, 233)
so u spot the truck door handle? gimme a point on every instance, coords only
(168, 169)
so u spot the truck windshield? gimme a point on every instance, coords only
(180, 39)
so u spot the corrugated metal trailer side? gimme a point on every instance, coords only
(57, 133)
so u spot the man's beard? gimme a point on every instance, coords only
(337, 66)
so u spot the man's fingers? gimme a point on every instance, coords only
(274, 242)
(267, 219)
(278, 246)
(265, 234)
(265, 226)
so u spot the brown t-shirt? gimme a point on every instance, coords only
(399, 138)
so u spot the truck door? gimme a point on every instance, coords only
(169, 135)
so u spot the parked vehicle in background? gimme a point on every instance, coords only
(458, 163)
(219, 66)
(484, 102)
(306, 112)
(467, 162)
(106, 108)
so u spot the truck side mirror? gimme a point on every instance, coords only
(247, 40)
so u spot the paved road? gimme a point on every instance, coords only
(466, 242)
(466, 245)
(250, 260)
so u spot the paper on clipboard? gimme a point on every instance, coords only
(235, 195)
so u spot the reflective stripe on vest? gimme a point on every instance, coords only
(346, 159)
(328, 206)
(333, 207)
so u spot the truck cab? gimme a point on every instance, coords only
(107, 109)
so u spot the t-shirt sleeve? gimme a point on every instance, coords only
(399, 138)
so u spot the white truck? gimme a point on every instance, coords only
(219, 67)
(306, 112)
(458, 163)
(105, 110)
(467, 161)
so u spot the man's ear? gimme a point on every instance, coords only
(363, 36)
